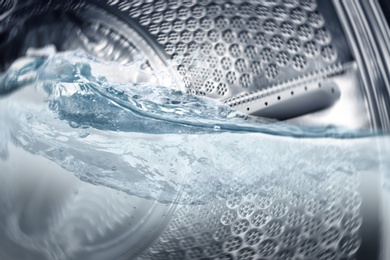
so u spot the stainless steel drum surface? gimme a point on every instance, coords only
(269, 223)
(310, 61)
(280, 59)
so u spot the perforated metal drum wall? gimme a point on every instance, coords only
(299, 218)
(222, 49)
(228, 47)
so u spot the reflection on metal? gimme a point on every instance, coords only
(368, 36)
(313, 62)
(225, 50)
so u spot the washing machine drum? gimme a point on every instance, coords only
(309, 61)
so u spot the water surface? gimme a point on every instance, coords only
(117, 128)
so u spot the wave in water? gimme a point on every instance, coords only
(115, 127)
(97, 121)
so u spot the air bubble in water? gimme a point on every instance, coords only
(84, 133)
(74, 124)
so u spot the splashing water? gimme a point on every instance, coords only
(157, 138)
(115, 126)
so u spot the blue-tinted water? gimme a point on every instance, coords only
(115, 127)
(153, 141)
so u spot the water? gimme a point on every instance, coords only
(116, 128)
